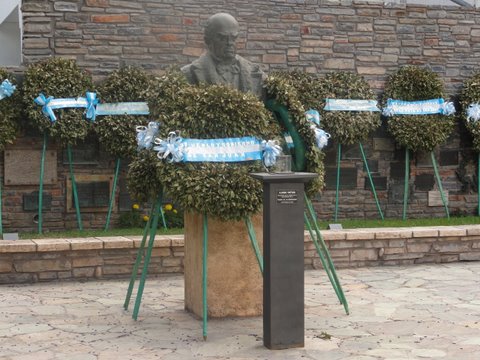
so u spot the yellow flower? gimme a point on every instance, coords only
(135, 206)
(168, 207)
(145, 218)
(175, 211)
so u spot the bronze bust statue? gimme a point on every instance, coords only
(220, 64)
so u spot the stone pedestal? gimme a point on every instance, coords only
(234, 277)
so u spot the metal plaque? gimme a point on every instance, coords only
(22, 167)
(287, 196)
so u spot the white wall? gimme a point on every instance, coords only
(11, 40)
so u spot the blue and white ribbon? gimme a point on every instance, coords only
(6, 89)
(473, 112)
(422, 107)
(321, 137)
(146, 135)
(92, 102)
(123, 108)
(50, 103)
(171, 149)
(313, 116)
(350, 105)
(178, 149)
(271, 149)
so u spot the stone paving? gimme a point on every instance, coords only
(415, 312)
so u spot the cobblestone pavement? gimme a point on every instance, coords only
(417, 312)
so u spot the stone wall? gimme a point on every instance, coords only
(113, 257)
(369, 38)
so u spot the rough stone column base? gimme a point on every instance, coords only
(234, 277)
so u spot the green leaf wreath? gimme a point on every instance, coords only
(117, 133)
(470, 94)
(10, 109)
(417, 132)
(60, 78)
(347, 127)
(298, 91)
(222, 190)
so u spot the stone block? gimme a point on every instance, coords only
(35, 266)
(116, 242)
(393, 234)
(111, 18)
(390, 251)
(451, 231)
(435, 198)
(85, 244)
(171, 261)
(64, 6)
(364, 254)
(339, 64)
(5, 266)
(360, 235)
(470, 256)
(452, 247)
(87, 261)
(20, 246)
(425, 232)
(50, 245)
(419, 248)
(48, 276)
(84, 272)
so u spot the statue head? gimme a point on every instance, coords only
(221, 33)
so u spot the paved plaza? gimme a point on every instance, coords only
(415, 312)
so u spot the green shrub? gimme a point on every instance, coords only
(60, 78)
(295, 91)
(417, 132)
(10, 110)
(117, 133)
(470, 94)
(347, 127)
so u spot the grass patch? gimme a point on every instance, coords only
(95, 233)
(354, 224)
(347, 224)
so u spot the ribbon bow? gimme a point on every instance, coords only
(313, 116)
(6, 89)
(388, 111)
(92, 102)
(473, 112)
(146, 135)
(43, 101)
(171, 149)
(321, 137)
(448, 108)
(271, 150)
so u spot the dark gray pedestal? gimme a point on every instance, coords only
(283, 277)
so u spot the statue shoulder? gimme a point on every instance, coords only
(249, 66)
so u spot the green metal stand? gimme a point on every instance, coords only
(371, 181)
(146, 262)
(162, 214)
(339, 158)
(405, 188)
(478, 185)
(112, 195)
(323, 252)
(40, 190)
(439, 183)
(74, 188)
(205, 277)
(254, 242)
(139, 258)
